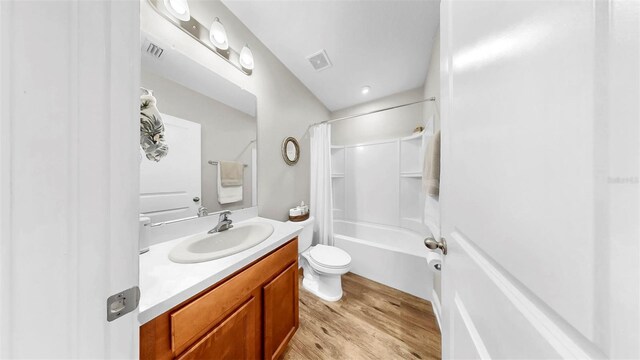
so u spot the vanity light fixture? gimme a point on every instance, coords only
(365, 90)
(218, 36)
(246, 58)
(178, 9)
(212, 37)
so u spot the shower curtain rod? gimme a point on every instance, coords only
(433, 98)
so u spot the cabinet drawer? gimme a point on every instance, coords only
(196, 318)
(235, 338)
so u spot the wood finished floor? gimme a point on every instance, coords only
(371, 321)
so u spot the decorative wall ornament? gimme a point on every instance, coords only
(290, 151)
(151, 128)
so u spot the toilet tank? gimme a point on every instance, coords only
(306, 236)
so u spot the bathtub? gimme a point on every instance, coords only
(392, 256)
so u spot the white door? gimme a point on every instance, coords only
(540, 109)
(170, 188)
(69, 133)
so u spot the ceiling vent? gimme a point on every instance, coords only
(319, 60)
(154, 50)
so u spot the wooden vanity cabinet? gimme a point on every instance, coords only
(252, 314)
(280, 298)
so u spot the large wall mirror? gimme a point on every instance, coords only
(208, 120)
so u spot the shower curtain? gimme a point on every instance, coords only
(321, 195)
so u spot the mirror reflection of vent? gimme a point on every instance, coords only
(154, 50)
(319, 60)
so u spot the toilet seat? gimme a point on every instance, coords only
(329, 258)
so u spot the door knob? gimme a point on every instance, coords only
(433, 244)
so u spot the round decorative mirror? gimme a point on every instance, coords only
(290, 150)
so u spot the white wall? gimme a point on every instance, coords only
(285, 106)
(380, 126)
(432, 84)
(226, 133)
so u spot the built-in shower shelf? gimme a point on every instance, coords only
(411, 174)
(413, 137)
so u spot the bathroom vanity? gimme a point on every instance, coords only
(250, 314)
(240, 306)
(208, 289)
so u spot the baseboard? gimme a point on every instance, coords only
(435, 303)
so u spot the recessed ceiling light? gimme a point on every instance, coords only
(365, 90)
(179, 9)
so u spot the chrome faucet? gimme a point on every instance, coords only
(224, 223)
(202, 211)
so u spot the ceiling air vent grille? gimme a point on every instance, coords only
(154, 50)
(319, 60)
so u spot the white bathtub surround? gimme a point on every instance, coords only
(380, 183)
(380, 212)
(389, 255)
(321, 191)
(165, 284)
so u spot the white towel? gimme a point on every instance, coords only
(231, 173)
(432, 215)
(431, 167)
(427, 134)
(228, 194)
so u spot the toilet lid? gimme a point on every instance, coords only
(330, 256)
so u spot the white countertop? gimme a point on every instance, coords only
(165, 284)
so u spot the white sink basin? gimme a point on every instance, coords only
(205, 247)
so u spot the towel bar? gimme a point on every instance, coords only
(211, 162)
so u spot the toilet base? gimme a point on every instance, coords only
(327, 287)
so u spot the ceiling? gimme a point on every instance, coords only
(383, 44)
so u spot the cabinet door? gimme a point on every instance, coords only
(280, 311)
(235, 338)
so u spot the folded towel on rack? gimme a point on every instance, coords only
(228, 194)
(231, 173)
(431, 167)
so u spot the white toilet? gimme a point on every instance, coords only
(323, 265)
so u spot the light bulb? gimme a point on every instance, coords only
(218, 35)
(246, 58)
(365, 90)
(178, 9)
